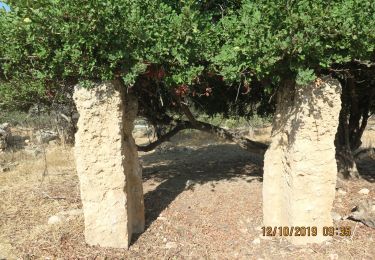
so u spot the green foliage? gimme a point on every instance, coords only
(304, 76)
(21, 95)
(101, 40)
(294, 37)
(60, 42)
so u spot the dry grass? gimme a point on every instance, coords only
(218, 219)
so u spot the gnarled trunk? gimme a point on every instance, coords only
(299, 167)
(108, 166)
(353, 121)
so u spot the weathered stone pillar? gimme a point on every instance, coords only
(299, 166)
(107, 164)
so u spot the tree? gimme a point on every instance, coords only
(215, 56)
(358, 100)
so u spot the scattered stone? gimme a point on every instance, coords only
(256, 241)
(364, 191)
(243, 230)
(33, 150)
(7, 251)
(37, 109)
(164, 147)
(189, 185)
(162, 218)
(341, 192)
(72, 212)
(333, 256)
(170, 245)
(335, 216)
(53, 143)
(258, 228)
(363, 152)
(44, 136)
(4, 169)
(4, 135)
(54, 220)
(365, 213)
(142, 130)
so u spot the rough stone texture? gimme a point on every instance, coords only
(108, 166)
(4, 135)
(299, 167)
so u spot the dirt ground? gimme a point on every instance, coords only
(218, 217)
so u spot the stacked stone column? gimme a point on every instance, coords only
(300, 167)
(107, 165)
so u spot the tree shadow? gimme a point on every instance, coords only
(17, 142)
(178, 167)
(366, 169)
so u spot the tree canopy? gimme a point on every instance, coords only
(184, 46)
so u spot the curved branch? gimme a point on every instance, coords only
(247, 144)
(163, 138)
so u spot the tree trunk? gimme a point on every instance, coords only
(353, 121)
(300, 169)
(108, 166)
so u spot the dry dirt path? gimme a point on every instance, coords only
(216, 216)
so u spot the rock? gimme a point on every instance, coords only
(54, 220)
(170, 245)
(4, 169)
(4, 136)
(335, 216)
(363, 152)
(189, 185)
(44, 136)
(70, 213)
(364, 212)
(108, 166)
(164, 147)
(7, 251)
(364, 191)
(341, 192)
(33, 150)
(256, 241)
(37, 109)
(142, 130)
(258, 228)
(53, 143)
(65, 116)
(333, 256)
(300, 169)
(74, 212)
(162, 218)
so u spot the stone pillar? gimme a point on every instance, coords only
(299, 166)
(107, 165)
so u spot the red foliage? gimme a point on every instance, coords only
(154, 72)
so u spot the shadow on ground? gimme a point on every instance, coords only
(366, 169)
(178, 166)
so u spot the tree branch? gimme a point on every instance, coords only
(163, 138)
(247, 144)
